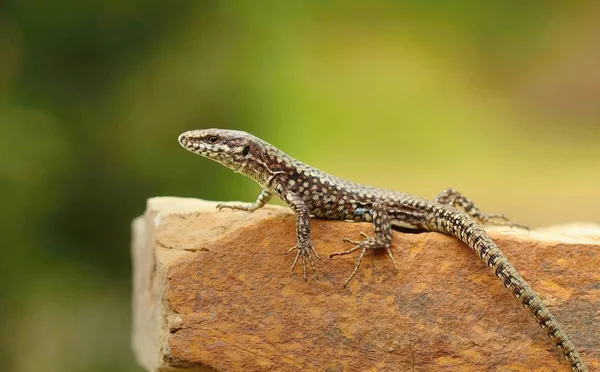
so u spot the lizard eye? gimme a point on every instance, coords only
(246, 150)
(213, 139)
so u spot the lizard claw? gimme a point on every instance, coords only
(236, 207)
(346, 240)
(312, 248)
(500, 219)
(363, 246)
(304, 251)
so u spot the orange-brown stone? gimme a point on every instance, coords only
(214, 291)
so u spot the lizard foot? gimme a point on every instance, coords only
(500, 219)
(368, 243)
(305, 251)
(236, 207)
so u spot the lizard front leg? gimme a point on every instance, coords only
(304, 247)
(382, 239)
(262, 199)
(455, 199)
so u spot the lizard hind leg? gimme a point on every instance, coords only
(455, 199)
(382, 239)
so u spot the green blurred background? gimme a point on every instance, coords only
(498, 99)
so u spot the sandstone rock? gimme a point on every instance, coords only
(214, 291)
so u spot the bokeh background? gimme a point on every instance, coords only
(498, 99)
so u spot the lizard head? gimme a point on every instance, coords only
(232, 148)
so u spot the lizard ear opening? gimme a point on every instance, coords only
(246, 150)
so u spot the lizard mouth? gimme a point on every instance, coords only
(193, 142)
(188, 142)
(183, 138)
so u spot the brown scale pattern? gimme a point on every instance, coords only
(309, 191)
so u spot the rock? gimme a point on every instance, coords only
(214, 291)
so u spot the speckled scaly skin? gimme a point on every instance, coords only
(309, 191)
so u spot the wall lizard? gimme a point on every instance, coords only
(311, 192)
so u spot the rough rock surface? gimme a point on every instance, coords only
(214, 291)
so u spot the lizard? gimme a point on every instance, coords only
(312, 192)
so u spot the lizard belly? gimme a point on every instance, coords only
(405, 225)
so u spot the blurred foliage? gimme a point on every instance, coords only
(498, 99)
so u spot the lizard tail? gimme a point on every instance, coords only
(459, 225)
